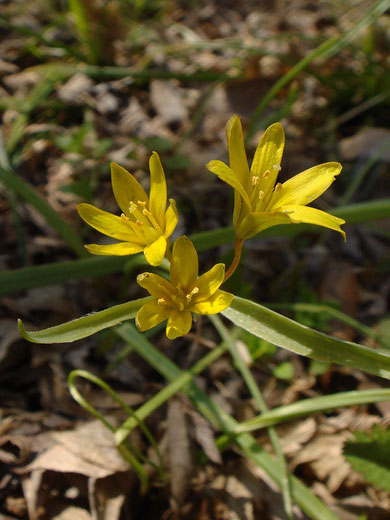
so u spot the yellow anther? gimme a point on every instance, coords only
(141, 203)
(278, 187)
(261, 195)
(194, 291)
(161, 301)
(139, 223)
(277, 167)
(255, 180)
(124, 217)
(132, 207)
(146, 212)
(266, 173)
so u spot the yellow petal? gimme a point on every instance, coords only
(314, 216)
(184, 263)
(150, 315)
(218, 302)
(237, 155)
(227, 175)
(120, 249)
(156, 285)
(179, 324)
(126, 188)
(209, 282)
(107, 223)
(158, 189)
(306, 186)
(171, 218)
(254, 223)
(268, 157)
(155, 252)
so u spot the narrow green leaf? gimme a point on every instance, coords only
(145, 75)
(85, 326)
(29, 194)
(314, 405)
(286, 333)
(39, 276)
(50, 274)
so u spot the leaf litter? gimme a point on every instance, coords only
(55, 461)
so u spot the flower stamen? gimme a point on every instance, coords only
(192, 293)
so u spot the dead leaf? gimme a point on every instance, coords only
(180, 453)
(367, 143)
(167, 100)
(204, 434)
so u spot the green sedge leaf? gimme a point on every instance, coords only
(85, 326)
(293, 336)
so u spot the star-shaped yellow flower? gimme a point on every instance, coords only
(258, 202)
(145, 224)
(184, 294)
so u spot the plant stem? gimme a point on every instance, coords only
(237, 257)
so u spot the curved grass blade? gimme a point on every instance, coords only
(286, 333)
(23, 189)
(85, 326)
(305, 407)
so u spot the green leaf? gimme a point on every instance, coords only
(369, 454)
(39, 276)
(284, 371)
(286, 333)
(85, 326)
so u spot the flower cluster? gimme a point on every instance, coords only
(146, 224)
(259, 202)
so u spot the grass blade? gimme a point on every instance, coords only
(13, 182)
(326, 49)
(310, 504)
(257, 396)
(314, 405)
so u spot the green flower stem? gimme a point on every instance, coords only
(313, 405)
(237, 257)
(258, 397)
(127, 451)
(167, 392)
(309, 503)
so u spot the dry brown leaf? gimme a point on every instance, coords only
(204, 435)
(180, 453)
(167, 100)
(367, 143)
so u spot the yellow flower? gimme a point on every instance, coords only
(258, 202)
(145, 224)
(184, 294)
